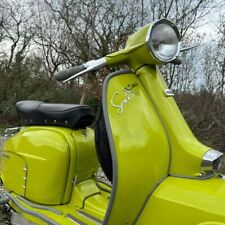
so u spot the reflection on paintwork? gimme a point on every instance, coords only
(139, 123)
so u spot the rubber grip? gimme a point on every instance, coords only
(65, 74)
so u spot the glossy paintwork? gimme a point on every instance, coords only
(186, 151)
(136, 53)
(140, 146)
(13, 172)
(96, 200)
(186, 201)
(82, 200)
(87, 162)
(151, 143)
(53, 162)
(40, 149)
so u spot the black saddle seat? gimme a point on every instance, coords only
(65, 115)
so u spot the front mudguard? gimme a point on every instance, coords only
(186, 201)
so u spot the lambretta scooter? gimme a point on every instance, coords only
(161, 174)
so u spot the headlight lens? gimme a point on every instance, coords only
(164, 40)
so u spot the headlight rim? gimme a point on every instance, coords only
(148, 40)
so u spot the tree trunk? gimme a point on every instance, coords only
(83, 97)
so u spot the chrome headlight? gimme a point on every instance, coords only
(211, 162)
(163, 40)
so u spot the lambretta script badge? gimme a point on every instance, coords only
(127, 94)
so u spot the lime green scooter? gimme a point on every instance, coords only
(160, 173)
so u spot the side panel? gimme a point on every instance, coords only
(14, 172)
(186, 150)
(42, 163)
(46, 153)
(186, 201)
(138, 144)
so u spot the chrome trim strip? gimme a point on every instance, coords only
(90, 217)
(204, 177)
(32, 213)
(9, 132)
(112, 148)
(111, 143)
(25, 168)
(147, 199)
(26, 176)
(168, 93)
(75, 220)
(91, 195)
(39, 206)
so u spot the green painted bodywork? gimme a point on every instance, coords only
(45, 161)
(133, 119)
(86, 197)
(136, 53)
(187, 202)
(144, 186)
(186, 151)
(157, 176)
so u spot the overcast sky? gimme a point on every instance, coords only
(210, 22)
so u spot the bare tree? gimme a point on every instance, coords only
(17, 29)
(219, 57)
(187, 15)
(71, 32)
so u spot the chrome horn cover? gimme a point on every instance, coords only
(211, 162)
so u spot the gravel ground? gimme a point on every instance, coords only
(4, 219)
(4, 216)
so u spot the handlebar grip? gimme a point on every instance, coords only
(65, 74)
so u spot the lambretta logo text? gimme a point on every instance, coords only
(127, 93)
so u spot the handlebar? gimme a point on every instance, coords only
(75, 72)
(65, 74)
